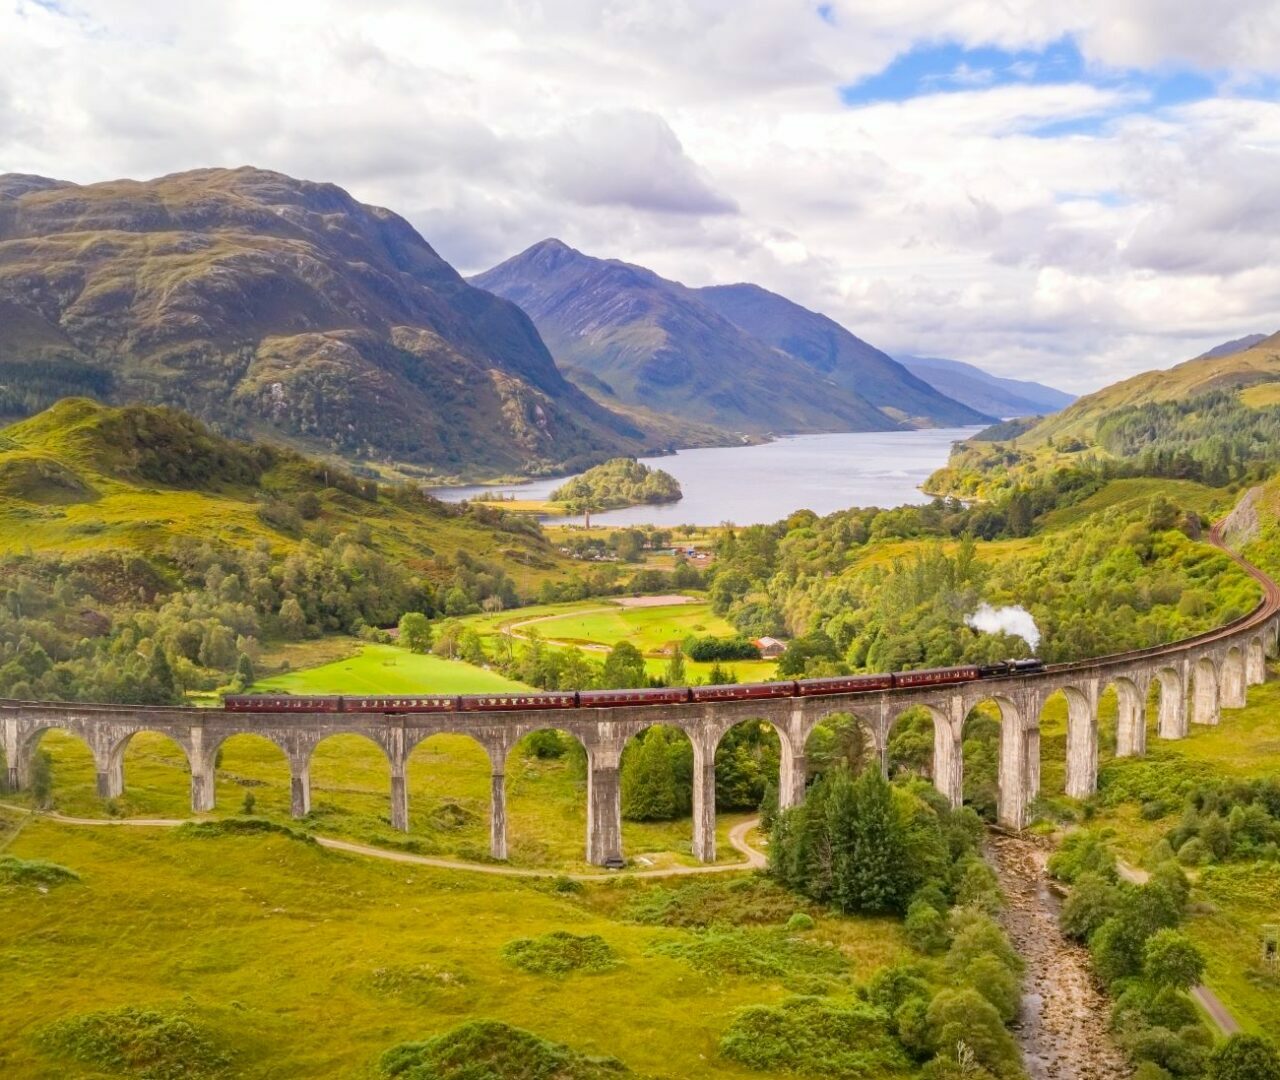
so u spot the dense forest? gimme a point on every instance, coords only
(1114, 581)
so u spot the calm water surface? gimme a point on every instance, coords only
(751, 485)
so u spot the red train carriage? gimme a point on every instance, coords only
(280, 703)
(513, 702)
(937, 676)
(394, 705)
(613, 699)
(742, 691)
(843, 684)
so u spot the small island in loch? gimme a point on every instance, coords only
(616, 484)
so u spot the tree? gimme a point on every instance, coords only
(624, 668)
(471, 647)
(1169, 959)
(447, 638)
(1244, 1057)
(869, 863)
(293, 621)
(245, 674)
(415, 632)
(675, 673)
(649, 786)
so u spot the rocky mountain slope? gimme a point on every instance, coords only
(987, 393)
(275, 306)
(704, 355)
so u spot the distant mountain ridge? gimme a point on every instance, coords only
(269, 305)
(991, 394)
(738, 357)
(1229, 347)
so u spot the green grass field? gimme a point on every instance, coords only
(448, 778)
(597, 625)
(387, 669)
(302, 963)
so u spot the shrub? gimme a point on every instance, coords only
(737, 902)
(926, 928)
(1183, 1052)
(1169, 959)
(489, 1050)
(1093, 900)
(978, 936)
(963, 1021)
(891, 987)
(979, 888)
(34, 872)
(152, 1044)
(1244, 1057)
(1083, 851)
(994, 981)
(816, 1037)
(559, 953)
(1193, 852)
(734, 951)
(800, 922)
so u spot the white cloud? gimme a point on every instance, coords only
(708, 141)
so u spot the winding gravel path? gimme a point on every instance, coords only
(755, 859)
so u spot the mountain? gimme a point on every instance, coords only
(1229, 347)
(1252, 372)
(987, 393)
(833, 353)
(631, 336)
(274, 306)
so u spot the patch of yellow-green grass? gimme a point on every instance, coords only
(885, 552)
(523, 506)
(307, 963)
(389, 669)
(1264, 396)
(1235, 903)
(1124, 495)
(448, 780)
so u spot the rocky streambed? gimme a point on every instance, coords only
(1063, 1026)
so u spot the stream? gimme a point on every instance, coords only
(1063, 1026)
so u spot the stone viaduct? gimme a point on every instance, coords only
(1195, 678)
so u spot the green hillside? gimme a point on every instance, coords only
(82, 477)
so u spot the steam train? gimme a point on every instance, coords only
(613, 699)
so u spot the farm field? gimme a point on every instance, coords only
(387, 669)
(448, 778)
(595, 626)
(267, 957)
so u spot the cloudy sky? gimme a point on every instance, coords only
(1065, 191)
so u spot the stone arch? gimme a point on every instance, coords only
(250, 762)
(1067, 741)
(842, 736)
(347, 770)
(22, 768)
(548, 779)
(116, 752)
(660, 786)
(449, 776)
(1231, 683)
(1204, 691)
(1256, 662)
(910, 745)
(1170, 684)
(1131, 717)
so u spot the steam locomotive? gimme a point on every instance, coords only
(613, 699)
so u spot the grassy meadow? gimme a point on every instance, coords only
(387, 669)
(448, 778)
(282, 959)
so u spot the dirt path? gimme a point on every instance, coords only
(512, 630)
(755, 860)
(1063, 1026)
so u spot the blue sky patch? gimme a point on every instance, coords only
(941, 68)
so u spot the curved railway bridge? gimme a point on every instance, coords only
(1196, 678)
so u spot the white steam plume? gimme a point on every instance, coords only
(1006, 620)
